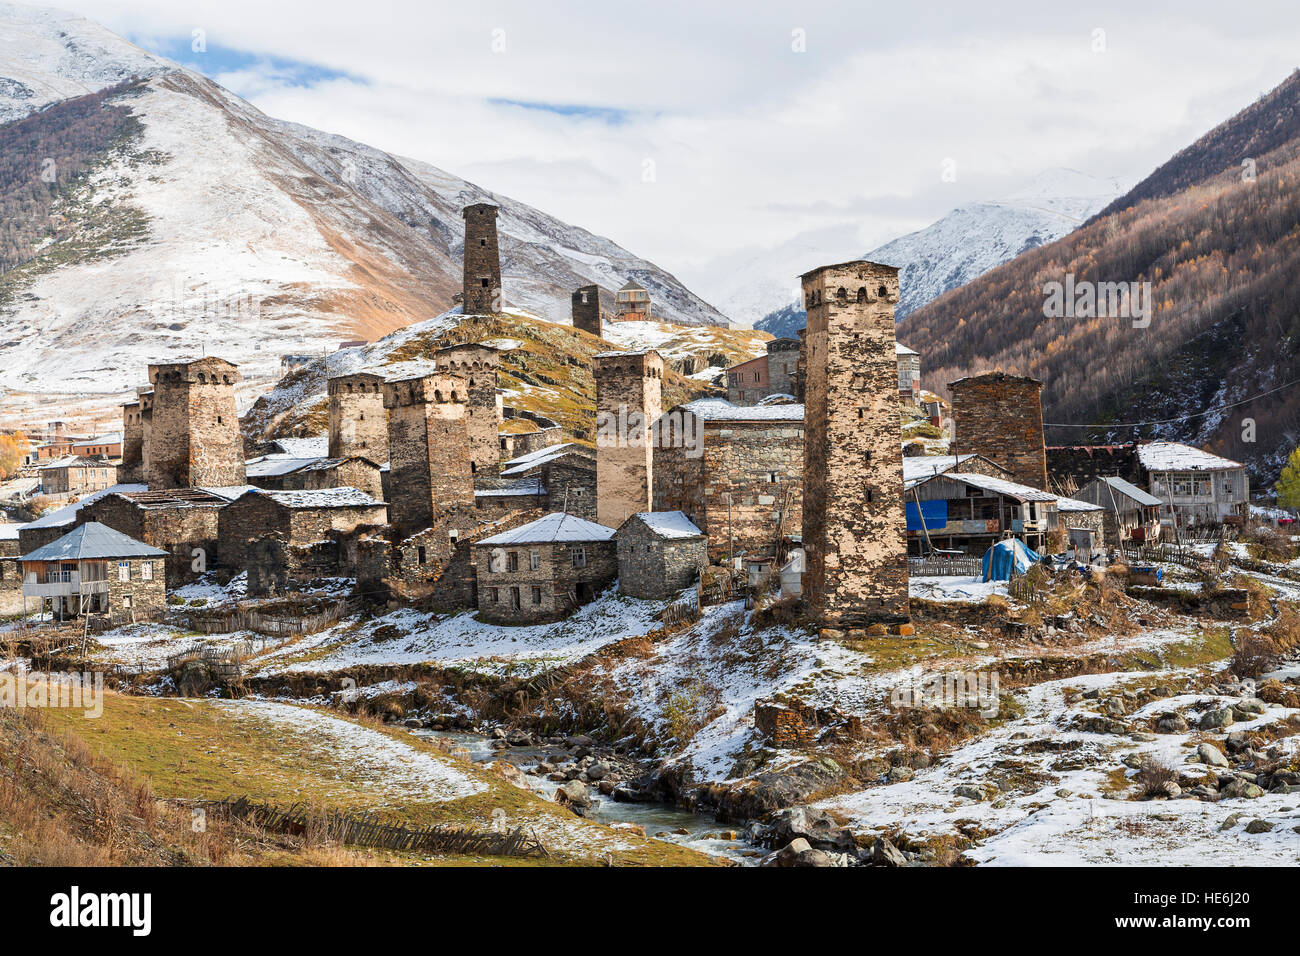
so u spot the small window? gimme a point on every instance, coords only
(124, 570)
(579, 557)
(482, 242)
(126, 600)
(535, 560)
(514, 598)
(146, 570)
(771, 477)
(512, 561)
(537, 595)
(218, 419)
(420, 555)
(493, 595)
(483, 282)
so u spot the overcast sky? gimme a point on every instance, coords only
(695, 133)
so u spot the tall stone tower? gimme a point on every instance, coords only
(478, 365)
(358, 420)
(1000, 416)
(428, 448)
(481, 294)
(132, 468)
(194, 439)
(587, 310)
(629, 400)
(854, 521)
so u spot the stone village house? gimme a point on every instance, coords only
(659, 554)
(97, 571)
(544, 570)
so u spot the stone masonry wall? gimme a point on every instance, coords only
(478, 365)
(1000, 416)
(854, 526)
(178, 530)
(358, 422)
(556, 577)
(132, 467)
(587, 309)
(428, 449)
(654, 568)
(629, 388)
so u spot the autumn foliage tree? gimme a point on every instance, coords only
(12, 448)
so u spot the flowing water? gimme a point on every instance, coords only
(661, 820)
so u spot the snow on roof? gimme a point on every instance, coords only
(93, 540)
(403, 371)
(523, 463)
(721, 410)
(68, 513)
(669, 524)
(112, 438)
(632, 284)
(1120, 486)
(527, 486)
(320, 498)
(554, 527)
(1174, 456)
(317, 446)
(916, 468)
(778, 398)
(900, 349)
(1074, 504)
(9, 532)
(1000, 486)
(230, 492)
(269, 466)
(625, 353)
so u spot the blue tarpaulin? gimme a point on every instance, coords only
(935, 514)
(1006, 557)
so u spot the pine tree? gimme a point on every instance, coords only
(1288, 485)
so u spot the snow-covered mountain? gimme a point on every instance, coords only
(211, 227)
(974, 238)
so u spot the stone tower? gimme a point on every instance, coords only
(629, 400)
(587, 309)
(358, 421)
(482, 286)
(1000, 416)
(478, 365)
(854, 519)
(428, 448)
(132, 468)
(194, 439)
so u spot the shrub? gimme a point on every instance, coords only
(1255, 654)
(1152, 776)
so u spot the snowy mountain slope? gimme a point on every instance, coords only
(974, 238)
(48, 55)
(214, 228)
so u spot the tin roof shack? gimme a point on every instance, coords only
(967, 512)
(286, 537)
(1083, 525)
(181, 521)
(567, 474)
(293, 473)
(1194, 486)
(11, 572)
(75, 475)
(659, 554)
(544, 570)
(1129, 514)
(94, 570)
(735, 471)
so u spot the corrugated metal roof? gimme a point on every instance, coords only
(93, 540)
(1131, 491)
(1175, 456)
(1000, 486)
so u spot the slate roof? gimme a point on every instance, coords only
(1175, 456)
(93, 540)
(555, 527)
(669, 524)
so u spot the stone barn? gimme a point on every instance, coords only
(544, 570)
(278, 536)
(659, 554)
(567, 476)
(290, 473)
(181, 521)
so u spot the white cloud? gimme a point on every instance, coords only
(754, 145)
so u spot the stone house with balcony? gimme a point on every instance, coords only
(659, 554)
(964, 511)
(94, 570)
(544, 570)
(632, 302)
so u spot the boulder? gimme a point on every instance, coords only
(1258, 826)
(816, 827)
(509, 772)
(1214, 719)
(884, 853)
(573, 795)
(1210, 755)
(1172, 724)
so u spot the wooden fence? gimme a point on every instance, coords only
(945, 565)
(366, 829)
(683, 610)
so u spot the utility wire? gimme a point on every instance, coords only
(1180, 418)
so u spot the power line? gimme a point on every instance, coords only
(1180, 418)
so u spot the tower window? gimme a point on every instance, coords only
(483, 282)
(882, 292)
(482, 242)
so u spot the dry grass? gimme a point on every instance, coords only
(1152, 777)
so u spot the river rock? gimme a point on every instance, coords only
(1210, 754)
(597, 771)
(884, 853)
(1241, 788)
(816, 827)
(573, 795)
(1172, 724)
(509, 772)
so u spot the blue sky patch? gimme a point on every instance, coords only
(218, 59)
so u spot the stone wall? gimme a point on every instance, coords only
(1083, 463)
(551, 591)
(136, 598)
(654, 568)
(11, 578)
(178, 529)
(481, 291)
(252, 517)
(629, 392)
(194, 438)
(571, 485)
(782, 366)
(131, 468)
(1000, 416)
(358, 421)
(854, 525)
(428, 449)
